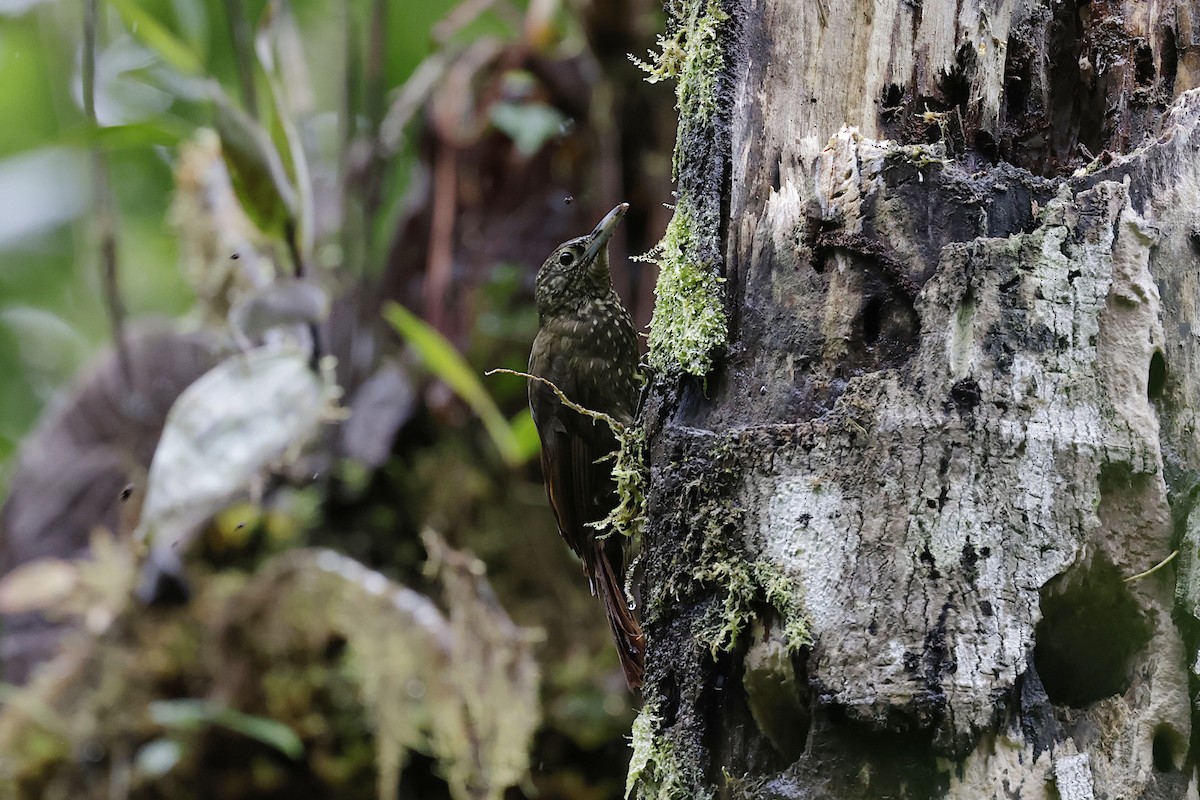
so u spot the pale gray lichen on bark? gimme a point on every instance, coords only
(913, 516)
(941, 425)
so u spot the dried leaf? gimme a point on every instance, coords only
(225, 431)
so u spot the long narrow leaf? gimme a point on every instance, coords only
(445, 362)
(526, 433)
(192, 714)
(152, 33)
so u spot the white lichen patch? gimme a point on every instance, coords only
(804, 524)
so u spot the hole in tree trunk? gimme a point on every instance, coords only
(1167, 742)
(1157, 378)
(1091, 629)
(872, 320)
(890, 102)
(1143, 61)
(1170, 60)
(670, 690)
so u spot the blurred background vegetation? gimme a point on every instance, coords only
(184, 181)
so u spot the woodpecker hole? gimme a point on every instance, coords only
(1169, 54)
(965, 394)
(1167, 743)
(985, 145)
(1015, 95)
(670, 694)
(955, 85)
(1143, 65)
(1156, 380)
(1091, 630)
(872, 320)
(891, 103)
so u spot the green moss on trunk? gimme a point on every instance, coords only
(655, 772)
(689, 321)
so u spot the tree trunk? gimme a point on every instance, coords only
(895, 527)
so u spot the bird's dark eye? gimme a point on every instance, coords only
(566, 258)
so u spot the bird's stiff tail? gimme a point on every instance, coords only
(627, 633)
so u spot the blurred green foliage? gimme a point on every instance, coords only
(154, 60)
(160, 64)
(516, 439)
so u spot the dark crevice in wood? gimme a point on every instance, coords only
(1089, 635)
(1167, 748)
(1080, 79)
(1156, 380)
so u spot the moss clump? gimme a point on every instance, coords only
(747, 583)
(631, 473)
(654, 770)
(690, 54)
(460, 685)
(689, 319)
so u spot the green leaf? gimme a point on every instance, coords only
(526, 432)
(192, 715)
(256, 170)
(152, 33)
(447, 364)
(191, 17)
(166, 132)
(280, 54)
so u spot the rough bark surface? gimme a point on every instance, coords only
(891, 536)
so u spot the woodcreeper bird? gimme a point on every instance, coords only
(586, 346)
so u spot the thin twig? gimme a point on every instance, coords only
(1153, 569)
(105, 214)
(616, 425)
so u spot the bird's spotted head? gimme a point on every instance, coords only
(578, 268)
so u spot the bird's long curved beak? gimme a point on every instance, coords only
(604, 231)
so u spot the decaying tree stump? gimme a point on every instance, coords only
(894, 530)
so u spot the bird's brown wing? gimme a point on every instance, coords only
(581, 491)
(580, 487)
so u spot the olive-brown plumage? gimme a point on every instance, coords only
(586, 346)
